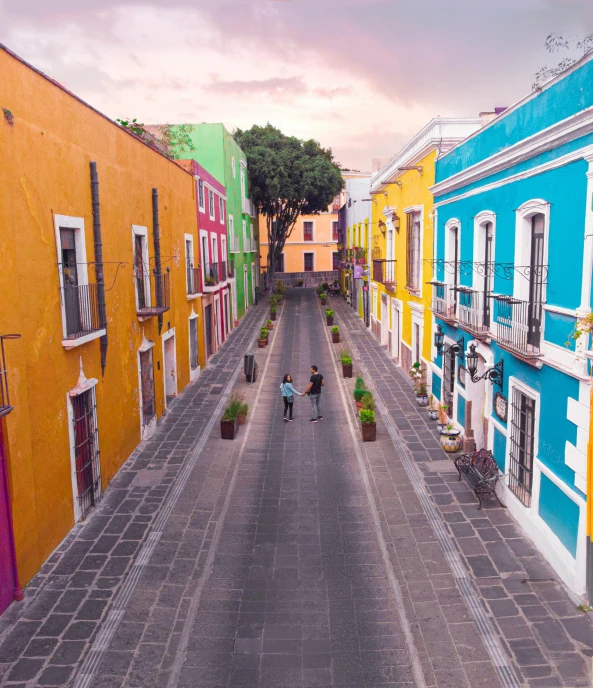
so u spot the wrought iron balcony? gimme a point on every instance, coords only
(223, 271)
(5, 406)
(161, 291)
(192, 278)
(517, 325)
(473, 310)
(81, 307)
(443, 301)
(211, 276)
(384, 272)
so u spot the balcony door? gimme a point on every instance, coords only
(536, 281)
(70, 275)
(488, 277)
(308, 259)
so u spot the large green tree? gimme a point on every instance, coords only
(287, 178)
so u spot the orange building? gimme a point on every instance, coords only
(94, 279)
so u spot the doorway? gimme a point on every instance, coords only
(395, 327)
(208, 328)
(9, 589)
(384, 321)
(476, 393)
(246, 286)
(170, 371)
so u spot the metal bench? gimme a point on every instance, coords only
(481, 472)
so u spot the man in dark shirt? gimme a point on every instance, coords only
(314, 391)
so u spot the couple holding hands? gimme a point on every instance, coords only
(313, 390)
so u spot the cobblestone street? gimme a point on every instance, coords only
(295, 555)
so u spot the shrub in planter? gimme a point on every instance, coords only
(323, 297)
(358, 395)
(433, 411)
(228, 422)
(359, 384)
(368, 402)
(273, 313)
(346, 359)
(263, 337)
(329, 315)
(421, 395)
(335, 334)
(442, 416)
(279, 287)
(300, 283)
(270, 325)
(369, 427)
(319, 289)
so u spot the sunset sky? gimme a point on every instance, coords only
(361, 76)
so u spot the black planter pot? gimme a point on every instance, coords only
(330, 319)
(273, 316)
(369, 432)
(347, 369)
(335, 337)
(228, 429)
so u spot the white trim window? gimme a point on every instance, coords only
(245, 244)
(413, 249)
(194, 349)
(308, 230)
(243, 185)
(79, 300)
(141, 267)
(522, 446)
(234, 167)
(221, 209)
(190, 281)
(211, 210)
(201, 202)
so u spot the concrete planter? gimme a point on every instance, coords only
(335, 337)
(347, 369)
(228, 429)
(329, 319)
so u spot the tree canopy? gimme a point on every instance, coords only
(288, 177)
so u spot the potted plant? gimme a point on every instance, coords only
(433, 410)
(368, 401)
(279, 287)
(442, 416)
(451, 439)
(329, 315)
(319, 290)
(242, 414)
(369, 427)
(335, 334)
(270, 325)
(358, 395)
(228, 422)
(323, 298)
(300, 283)
(421, 395)
(273, 313)
(210, 281)
(263, 337)
(346, 359)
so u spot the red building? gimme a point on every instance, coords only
(208, 267)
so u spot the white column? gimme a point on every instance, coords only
(585, 306)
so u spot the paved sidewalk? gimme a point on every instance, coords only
(549, 642)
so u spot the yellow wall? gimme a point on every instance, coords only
(413, 192)
(296, 245)
(44, 170)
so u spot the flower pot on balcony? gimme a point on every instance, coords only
(228, 429)
(369, 432)
(347, 369)
(422, 399)
(330, 319)
(335, 337)
(451, 440)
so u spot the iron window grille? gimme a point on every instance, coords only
(86, 451)
(522, 445)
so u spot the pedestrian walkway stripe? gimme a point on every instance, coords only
(401, 610)
(103, 639)
(483, 622)
(195, 603)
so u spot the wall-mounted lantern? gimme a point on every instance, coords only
(494, 374)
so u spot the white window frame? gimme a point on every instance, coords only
(83, 385)
(195, 372)
(523, 215)
(211, 206)
(234, 167)
(245, 246)
(77, 224)
(233, 248)
(205, 258)
(223, 252)
(214, 248)
(243, 183)
(146, 431)
(201, 197)
(221, 209)
(139, 230)
(332, 223)
(314, 260)
(306, 241)
(189, 239)
(419, 209)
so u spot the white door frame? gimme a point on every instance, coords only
(169, 335)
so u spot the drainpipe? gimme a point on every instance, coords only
(157, 254)
(99, 262)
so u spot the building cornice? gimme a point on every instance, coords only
(558, 134)
(439, 133)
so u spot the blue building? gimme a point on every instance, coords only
(514, 254)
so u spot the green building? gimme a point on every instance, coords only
(218, 152)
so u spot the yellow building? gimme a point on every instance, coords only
(402, 243)
(106, 303)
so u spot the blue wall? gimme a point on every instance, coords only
(436, 386)
(499, 448)
(554, 104)
(461, 410)
(560, 513)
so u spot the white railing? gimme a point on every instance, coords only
(235, 244)
(247, 206)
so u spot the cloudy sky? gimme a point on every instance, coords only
(361, 76)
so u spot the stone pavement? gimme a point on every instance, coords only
(294, 555)
(549, 642)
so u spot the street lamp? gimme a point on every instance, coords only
(439, 342)
(494, 374)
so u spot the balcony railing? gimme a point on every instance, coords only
(384, 272)
(231, 269)
(5, 406)
(247, 207)
(211, 276)
(473, 310)
(161, 290)
(81, 306)
(517, 324)
(192, 278)
(443, 301)
(223, 271)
